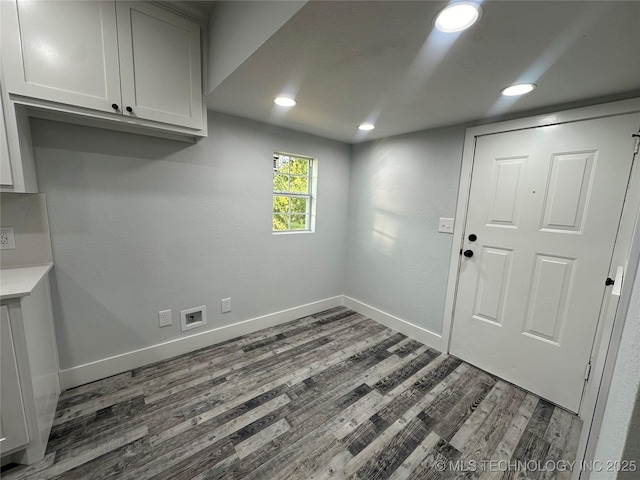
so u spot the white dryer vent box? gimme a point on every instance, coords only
(193, 317)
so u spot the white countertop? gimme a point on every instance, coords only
(16, 282)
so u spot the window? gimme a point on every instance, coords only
(293, 193)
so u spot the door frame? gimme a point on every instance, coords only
(626, 252)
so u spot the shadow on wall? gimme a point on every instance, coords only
(103, 323)
(105, 143)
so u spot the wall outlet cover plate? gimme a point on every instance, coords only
(7, 238)
(164, 318)
(225, 304)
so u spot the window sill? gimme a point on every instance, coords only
(293, 232)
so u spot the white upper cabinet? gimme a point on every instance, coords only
(6, 176)
(133, 61)
(65, 52)
(160, 65)
(17, 167)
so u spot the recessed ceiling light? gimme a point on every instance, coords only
(458, 16)
(366, 126)
(519, 89)
(285, 101)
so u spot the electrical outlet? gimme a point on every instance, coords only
(226, 305)
(164, 318)
(7, 239)
(445, 225)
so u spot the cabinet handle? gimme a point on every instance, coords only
(129, 109)
(115, 106)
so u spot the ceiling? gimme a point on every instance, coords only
(349, 62)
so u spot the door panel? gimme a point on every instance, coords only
(506, 185)
(492, 283)
(545, 204)
(548, 294)
(569, 183)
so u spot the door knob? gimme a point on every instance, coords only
(129, 109)
(115, 106)
(468, 253)
(473, 237)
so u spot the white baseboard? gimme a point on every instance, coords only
(90, 372)
(106, 367)
(431, 339)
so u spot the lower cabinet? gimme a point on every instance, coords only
(29, 385)
(13, 426)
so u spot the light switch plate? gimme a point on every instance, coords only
(7, 239)
(445, 225)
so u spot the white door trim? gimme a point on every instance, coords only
(604, 353)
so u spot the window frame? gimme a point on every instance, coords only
(310, 196)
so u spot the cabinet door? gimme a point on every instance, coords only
(62, 51)
(13, 429)
(6, 177)
(160, 65)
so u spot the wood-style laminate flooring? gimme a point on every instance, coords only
(333, 395)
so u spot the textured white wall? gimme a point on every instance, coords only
(400, 187)
(625, 385)
(141, 224)
(632, 446)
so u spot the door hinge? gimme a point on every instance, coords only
(587, 372)
(609, 281)
(637, 145)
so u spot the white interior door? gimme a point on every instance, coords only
(544, 204)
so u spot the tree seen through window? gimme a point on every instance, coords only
(291, 193)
